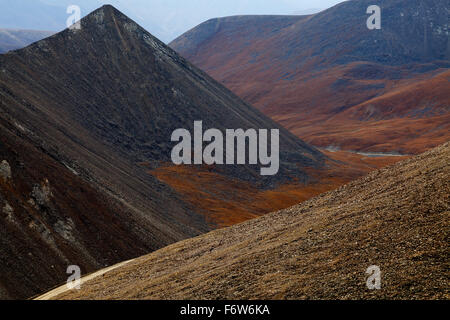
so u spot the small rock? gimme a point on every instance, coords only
(5, 170)
(32, 203)
(65, 228)
(41, 193)
(8, 210)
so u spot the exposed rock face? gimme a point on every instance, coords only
(5, 170)
(8, 210)
(41, 193)
(65, 229)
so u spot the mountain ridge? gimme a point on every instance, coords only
(305, 71)
(12, 39)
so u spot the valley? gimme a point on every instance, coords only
(254, 157)
(395, 218)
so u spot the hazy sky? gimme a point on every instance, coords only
(166, 19)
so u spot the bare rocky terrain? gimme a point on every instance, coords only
(396, 218)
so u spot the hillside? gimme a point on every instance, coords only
(396, 218)
(86, 118)
(311, 72)
(11, 39)
(50, 218)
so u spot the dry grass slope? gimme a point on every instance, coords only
(225, 202)
(396, 218)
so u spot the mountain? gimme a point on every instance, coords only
(52, 15)
(307, 11)
(86, 118)
(11, 39)
(395, 218)
(319, 75)
(40, 14)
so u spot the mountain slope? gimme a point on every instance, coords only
(96, 206)
(411, 117)
(310, 69)
(99, 106)
(11, 39)
(396, 218)
(51, 218)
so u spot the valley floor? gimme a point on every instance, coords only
(226, 202)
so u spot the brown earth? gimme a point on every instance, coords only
(396, 218)
(411, 117)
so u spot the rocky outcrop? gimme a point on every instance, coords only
(41, 193)
(8, 211)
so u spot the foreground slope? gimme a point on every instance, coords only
(396, 218)
(315, 74)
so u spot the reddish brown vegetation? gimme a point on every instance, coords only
(226, 201)
(329, 80)
(411, 117)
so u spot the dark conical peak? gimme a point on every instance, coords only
(110, 11)
(108, 7)
(104, 32)
(109, 26)
(104, 15)
(108, 19)
(122, 84)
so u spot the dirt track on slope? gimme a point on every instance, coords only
(62, 289)
(396, 218)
